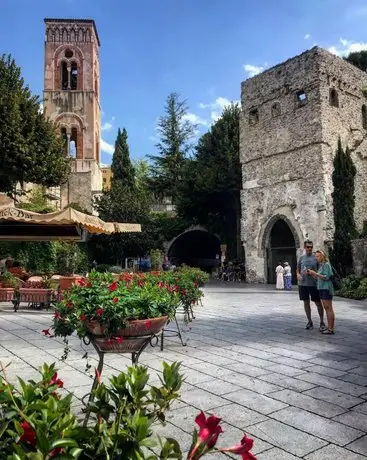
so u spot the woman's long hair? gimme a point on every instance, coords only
(324, 255)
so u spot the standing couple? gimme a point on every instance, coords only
(314, 274)
(284, 276)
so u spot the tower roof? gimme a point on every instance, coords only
(75, 21)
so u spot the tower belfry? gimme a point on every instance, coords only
(71, 99)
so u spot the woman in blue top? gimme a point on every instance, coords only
(325, 288)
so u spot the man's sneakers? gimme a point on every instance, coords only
(322, 327)
(309, 325)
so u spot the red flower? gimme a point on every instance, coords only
(209, 429)
(57, 315)
(56, 381)
(56, 451)
(118, 339)
(113, 286)
(99, 312)
(82, 317)
(81, 282)
(115, 299)
(161, 284)
(89, 284)
(242, 449)
(46, 331)
(70, 305)
(148, 324)
(29, 435)
(98, 375)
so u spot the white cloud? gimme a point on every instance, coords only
(307, 36)
(41, 108)
(106, 126)
(344, 47)
(253, 70)
(195, 119)
(106, 147)
(216, 107)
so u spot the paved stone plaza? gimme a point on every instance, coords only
(250, 361)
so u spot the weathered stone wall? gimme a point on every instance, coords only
(359, 248)
(78, 190)
(287, 148)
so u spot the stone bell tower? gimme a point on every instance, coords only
(71, 99)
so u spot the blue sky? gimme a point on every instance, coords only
(201, 48)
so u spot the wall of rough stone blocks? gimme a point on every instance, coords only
(359, 248)
(287, 158)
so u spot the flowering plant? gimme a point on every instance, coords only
(112, 303)
(37, 423)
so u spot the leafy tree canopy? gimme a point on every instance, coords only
(359, 59)
(122, 169)
(175, 132)
(30, 148)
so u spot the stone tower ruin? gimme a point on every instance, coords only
(292, 117)
(71, 99)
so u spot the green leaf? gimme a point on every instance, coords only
(64, 443)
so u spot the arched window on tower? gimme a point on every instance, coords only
(65, 139)
(74, 143)
(64, 75)
(333, 97)
(364, 116)
(74, 76)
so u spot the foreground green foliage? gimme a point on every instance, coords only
(31, 150)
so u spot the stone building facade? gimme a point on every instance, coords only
(72, 100)
(292, 116)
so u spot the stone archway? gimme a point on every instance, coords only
(280, 242)
(195, 247)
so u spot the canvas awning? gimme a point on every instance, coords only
(68, 224)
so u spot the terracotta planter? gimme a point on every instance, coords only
(134, 328)
(32, 295)
(66, 282)
(6, 294)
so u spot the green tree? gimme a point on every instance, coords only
(359, 59)
(37, 201)
(30, 148)
(142, 177)
(343, 204)
(122, 169)
(210, 193)
(175, 132)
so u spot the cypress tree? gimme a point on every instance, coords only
(123, 171)
(343, 204)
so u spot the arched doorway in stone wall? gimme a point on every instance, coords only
(281, 243)
(197, 248)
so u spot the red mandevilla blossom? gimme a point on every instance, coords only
(99, 312)
(118, 339)
(57, 315)
(113, 286)
(242, 449)
(69, 305)
(98, 375)
(82, 317)
(56, 381)
(56, 451)
(81, 282)
(46, 331)
(209, 429)
(115, 299)
(29, 435)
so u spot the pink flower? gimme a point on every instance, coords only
(46, 331)
(57, 315)
(99, 312)
(81, 282)
(148, 324)
(113, 286)
(98, 375)
(56, 381)
(115, 299)
(209, 429)
(243, 448)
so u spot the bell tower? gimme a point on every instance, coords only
(71, 99)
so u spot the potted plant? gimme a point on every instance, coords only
(109, 311)
(8, 284)
(67, 255)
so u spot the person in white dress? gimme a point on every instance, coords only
(279, 271)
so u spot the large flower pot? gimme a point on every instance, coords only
(35, 295)
(6, 294)
(66, 282)
(134, 335)
(134, 328)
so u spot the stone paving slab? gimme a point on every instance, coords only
(249, 360)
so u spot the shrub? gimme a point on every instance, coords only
(103, 268)
(115, 269)
(353, 287)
